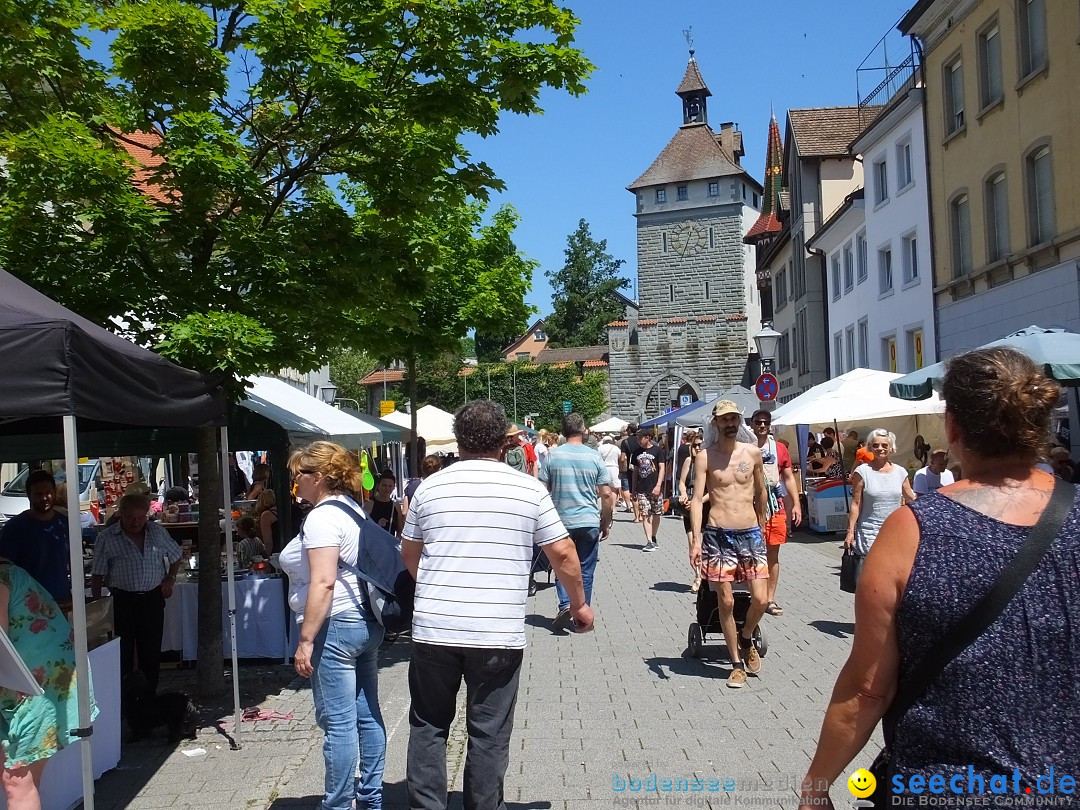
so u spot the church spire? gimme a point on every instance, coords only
(693, 92)
(768, 223)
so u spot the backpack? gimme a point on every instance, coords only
(516, 458)
(389, 587)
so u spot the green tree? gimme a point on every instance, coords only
(477, 280)
(584, 292)
(238, 178)
(347, 368)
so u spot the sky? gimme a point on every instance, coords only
(576, 160)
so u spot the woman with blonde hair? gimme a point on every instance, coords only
(339, 635)
(266, 518)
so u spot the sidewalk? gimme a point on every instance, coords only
(594, 711)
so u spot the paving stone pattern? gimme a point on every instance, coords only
(594, 711)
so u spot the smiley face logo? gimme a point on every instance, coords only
(861, 783)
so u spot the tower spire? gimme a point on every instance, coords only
(768, 223)
(692, 89)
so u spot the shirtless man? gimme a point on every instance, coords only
(731, 547)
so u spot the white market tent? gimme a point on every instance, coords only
(436, 426)
(305, 417)
(860, 400)
(612, 424)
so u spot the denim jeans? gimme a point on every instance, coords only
(345, 686)
(491, 683)
(587, 540)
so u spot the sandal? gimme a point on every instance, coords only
(774, 609)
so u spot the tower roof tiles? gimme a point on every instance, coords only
(692, 154)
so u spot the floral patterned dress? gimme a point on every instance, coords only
(35, 728)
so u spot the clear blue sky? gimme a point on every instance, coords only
(577, 159)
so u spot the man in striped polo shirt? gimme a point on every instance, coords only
(576, 475)
(468, 542)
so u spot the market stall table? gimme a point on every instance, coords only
(262, 623)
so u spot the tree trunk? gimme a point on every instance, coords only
(210, 673)
(414, 455)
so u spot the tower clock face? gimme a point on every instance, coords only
(688, 238)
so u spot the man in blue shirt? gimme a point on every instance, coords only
(37, 539)
(576, 477)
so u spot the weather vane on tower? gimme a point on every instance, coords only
(688, 33)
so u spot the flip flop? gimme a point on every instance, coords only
(774, 609)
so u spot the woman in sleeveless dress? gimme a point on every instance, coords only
(1005, 707)
(33, 728)
(877, 490)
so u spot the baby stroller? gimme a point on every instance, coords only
(540, 564)
(708, 619)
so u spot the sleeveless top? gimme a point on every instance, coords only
(1009, 701)
(881, 496)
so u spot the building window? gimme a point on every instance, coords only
(960, 227)
(671, 293)
(714, 189)
(540, 334)
(881, 181)
(990, 86)
(755, 200)
(836, 278)
(838, 352)
(911, 258)
(1040, 196)
(904, 175)
(885, 270)
(888, 353)
(681, 193)
(804, 344)
(914, 350)
(663, 238)
(997, 219)
(712, 237)
(860, 258)
(744, 192)
(781, 289)
(850, 339)
(706, 290)
(661, 195)
(864, 343)
(954, 97)
(523, 356)
(849, 268)
(784, 359)
(1032, 20)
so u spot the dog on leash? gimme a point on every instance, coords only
(146, 711)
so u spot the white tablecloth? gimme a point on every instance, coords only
(261, 620)
(61, 785)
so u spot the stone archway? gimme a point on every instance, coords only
(653, 397)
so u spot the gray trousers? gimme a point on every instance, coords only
(491, 683)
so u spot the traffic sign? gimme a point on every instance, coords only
(766, 387)
(386, 406)
(567, 406)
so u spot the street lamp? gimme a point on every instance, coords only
(328, 393)
(767, 340)
(673, 395)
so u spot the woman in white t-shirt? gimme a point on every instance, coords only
(339, 636)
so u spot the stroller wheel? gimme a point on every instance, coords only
(760, 641)
(695, 639)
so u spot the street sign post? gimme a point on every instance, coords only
(386, 406)
(767, 387)
(567, 406)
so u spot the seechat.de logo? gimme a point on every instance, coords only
(861, 783)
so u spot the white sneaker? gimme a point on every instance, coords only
(650, 546)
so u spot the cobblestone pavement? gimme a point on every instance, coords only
(595, 712)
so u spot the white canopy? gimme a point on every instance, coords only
(305, 417)
(612, 424)
(436, 426)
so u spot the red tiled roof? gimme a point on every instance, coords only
(379, 376)
(693, 154)
(576, 354)
(676, 320)
(768, 222)
(706, 318)
(594, 364)
(738, 316)
(647, 322)
(829, 131)
(140, 146)
(619, 324)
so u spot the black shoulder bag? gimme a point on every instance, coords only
(984, 613)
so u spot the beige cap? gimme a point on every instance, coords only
(725, 406)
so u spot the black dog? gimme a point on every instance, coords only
(146, 711)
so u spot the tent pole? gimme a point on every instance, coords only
(843, 472)
(78, 611)
(231, 571)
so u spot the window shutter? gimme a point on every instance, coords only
(993, 67)
(1036, 19)
(1044, 196)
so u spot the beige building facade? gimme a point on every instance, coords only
(1004, 161)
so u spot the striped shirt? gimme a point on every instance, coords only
(118, 559)
(478, 521)
(573, 472)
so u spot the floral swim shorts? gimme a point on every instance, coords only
(733, 555)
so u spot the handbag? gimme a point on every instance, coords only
(850, 569)
(974, 623)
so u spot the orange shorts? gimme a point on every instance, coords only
(776, 529)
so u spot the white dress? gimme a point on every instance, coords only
(881, 496)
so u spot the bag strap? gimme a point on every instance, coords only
(353, 568)
(986, 611)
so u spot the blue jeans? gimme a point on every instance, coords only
(491, 685)
(587, 541)
(345, 686)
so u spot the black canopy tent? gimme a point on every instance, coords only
(63, 374)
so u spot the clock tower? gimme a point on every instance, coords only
(698, 301)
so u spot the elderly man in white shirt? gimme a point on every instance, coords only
(934, 475)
